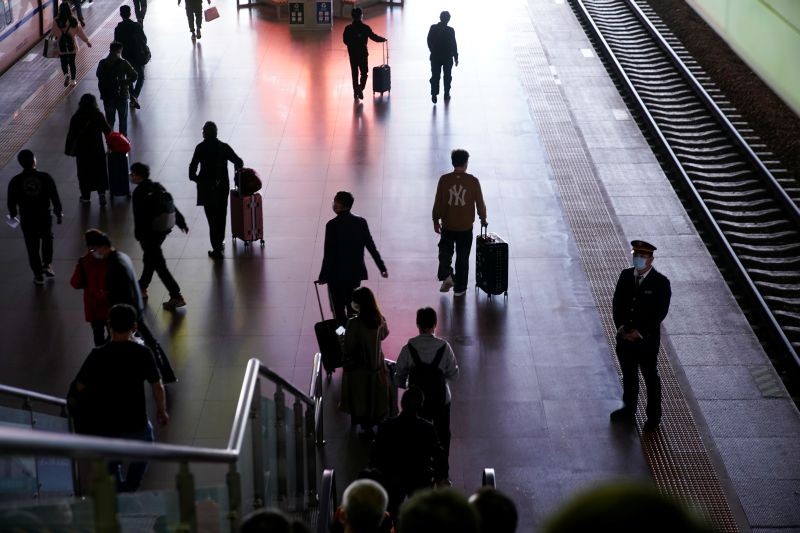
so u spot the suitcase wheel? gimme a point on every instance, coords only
(329, 376)
(262, 243)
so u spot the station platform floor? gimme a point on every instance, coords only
(568, 180)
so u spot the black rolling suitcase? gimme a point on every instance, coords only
(118, 180)
(491, 263)
(382, 74)
(328, 339)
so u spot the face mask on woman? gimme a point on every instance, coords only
(355, 307)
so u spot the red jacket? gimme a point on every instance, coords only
(90, 275)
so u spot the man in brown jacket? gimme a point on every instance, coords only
(458, 196)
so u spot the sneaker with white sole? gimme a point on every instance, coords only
(48, 272)
(447, 284)
(174, 303)
(460, 293)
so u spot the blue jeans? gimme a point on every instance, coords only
(462, 241)
(117, 106)
(136, 469)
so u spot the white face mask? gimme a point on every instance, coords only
(355, 307)
(97, 254)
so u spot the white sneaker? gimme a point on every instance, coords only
(73, 83)
(447, 284)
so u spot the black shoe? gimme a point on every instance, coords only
(651, 424)
(194, 36)
(135, 102)
(198, 33)
(623, 416)
(433, 98)
(48, 272)
(216, 254)
(446, 97)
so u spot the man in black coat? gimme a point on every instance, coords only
(343, 266)
(30, 194)
(640, 304)
(213, 184)
(114, 78)
(134, 49)
(407, 451)
(355, 38)
(444, 51)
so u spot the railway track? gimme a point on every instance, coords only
(747, 205)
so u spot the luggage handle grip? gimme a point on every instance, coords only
(484, 230)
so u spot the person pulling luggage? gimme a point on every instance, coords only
(355, 38)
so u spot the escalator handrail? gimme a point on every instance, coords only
(488, 478)
(327, 501)
(31, 395)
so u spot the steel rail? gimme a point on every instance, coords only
(33, 396)
(710, 222)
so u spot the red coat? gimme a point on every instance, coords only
(90, 275)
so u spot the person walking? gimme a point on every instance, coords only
(66, 28)
(355, 38)
(111, 395)
(213, 184)
(75, 5)
(641, 302)
(365, 386)
(90, 276)
(154, 213)
(444, 53)
(428, 362)
(30, 195)
(139, 9)
(122, 287)
(343, 267)
(85, 143)
(458, 197)
(134, 49)
(114, 78)
(408, 452)
(194, 14)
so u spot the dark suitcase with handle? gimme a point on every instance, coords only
(118, 174)
(328, 339)
(491, 263)
(382, 74)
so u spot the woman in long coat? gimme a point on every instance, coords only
(365, 384)
(85, 142)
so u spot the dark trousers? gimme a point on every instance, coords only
(154, 262)
(99, 332)
(216, 208)
(462, 242)
(441, 423)
(341, 294)
(38, 236)
(635, 356)
(133, 477)
(117, 106)
(359, 65)
(194, 13)
(136, 89)
(139, 9)
(437, 67)
(76, 5)
(68, 64)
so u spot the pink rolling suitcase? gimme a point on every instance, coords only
(247, 218)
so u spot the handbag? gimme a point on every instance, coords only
(118, 143)
(51, 47)
(211, 13)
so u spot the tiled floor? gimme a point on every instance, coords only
(537, 379)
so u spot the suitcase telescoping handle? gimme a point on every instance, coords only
(319, 301)
(385, 50)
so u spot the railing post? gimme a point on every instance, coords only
(311, 453)
(184, 482)
(280, 439)
(104, 495)
(234, 482)
(76, 476)
(257, 433)
(299, 456)
(28, 405)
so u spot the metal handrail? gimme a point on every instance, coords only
(275, 378)
(327, 501)
(243, 406)
(488, 478)
(711, 224)
(31, 395)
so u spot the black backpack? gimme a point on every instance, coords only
(163, 210)
(108, 82)
(429, 378)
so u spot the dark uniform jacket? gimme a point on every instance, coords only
(442, 43)
(33, 192)
(123, 287)
(110, 68)
(355, 37)
(346, 236)
(407, 451)
(144, 210)
(642, 308)
(134, 41)
(212, 155)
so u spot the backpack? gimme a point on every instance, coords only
(108, 81)
(66, 43)
(163, 210)
(429, 378)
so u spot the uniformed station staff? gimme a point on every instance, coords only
(641, 302)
